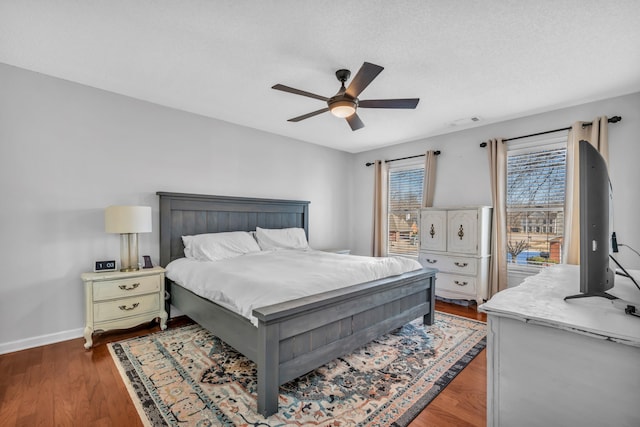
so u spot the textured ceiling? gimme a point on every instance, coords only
(491, 59)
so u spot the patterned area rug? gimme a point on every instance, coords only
(189, 377)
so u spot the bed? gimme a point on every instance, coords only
(294, 337)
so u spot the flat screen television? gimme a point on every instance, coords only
(596, 276)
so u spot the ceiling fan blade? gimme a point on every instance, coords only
(299, 92)
(365, 75)
(306, 116)
(354, 121)
(389, 103)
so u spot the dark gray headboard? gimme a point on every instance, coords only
(189, 214)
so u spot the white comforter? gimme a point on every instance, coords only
(269, 277)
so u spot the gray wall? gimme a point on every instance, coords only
(67, 151)
(463, 169)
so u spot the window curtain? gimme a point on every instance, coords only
(597, 135)
(429, 178)
(498, 172)
(381, 173)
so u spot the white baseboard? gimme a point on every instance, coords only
(10, 347)
(23, 344)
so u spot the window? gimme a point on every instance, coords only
(404, 203)
(536, 177)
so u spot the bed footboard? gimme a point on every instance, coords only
(298, 336)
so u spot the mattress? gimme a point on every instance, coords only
(258, 279)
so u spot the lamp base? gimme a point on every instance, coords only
(129, 252)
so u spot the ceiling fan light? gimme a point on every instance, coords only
(342, 109)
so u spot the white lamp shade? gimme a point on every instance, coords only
(127, 219)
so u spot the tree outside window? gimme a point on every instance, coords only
(535, 205)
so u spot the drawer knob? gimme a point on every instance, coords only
(461, 264)
(129, 287)
(457, 282)
(432, 231)
(431, 261)
(131, 307)
(461, 232)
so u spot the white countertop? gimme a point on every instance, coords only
(540, 300)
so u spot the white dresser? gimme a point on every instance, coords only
(456, 241)
(552, 362)
(117, 300)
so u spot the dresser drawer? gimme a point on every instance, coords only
(450, 264)
(456, 283)
(431, 260)
(125, 287)
(125, 307)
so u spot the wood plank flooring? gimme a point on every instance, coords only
(464, 402)
(63, 385)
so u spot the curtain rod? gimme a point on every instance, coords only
(437, 153)
(614, 119)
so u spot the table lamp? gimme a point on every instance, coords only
(128, 221)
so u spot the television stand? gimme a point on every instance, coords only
(556, 363)
(591, 294)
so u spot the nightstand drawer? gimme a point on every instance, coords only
(117, 309)
(125, 287)
(456, 283)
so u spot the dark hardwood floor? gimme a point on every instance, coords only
(63, 385)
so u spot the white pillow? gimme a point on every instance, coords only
(281, 238)
(218, 246)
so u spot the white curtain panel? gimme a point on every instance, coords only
(380, 234)
(429, 178)
(498, 170)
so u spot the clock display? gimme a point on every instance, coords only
(109, 265)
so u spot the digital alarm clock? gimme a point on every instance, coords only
(105, 266)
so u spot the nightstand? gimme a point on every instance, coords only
(118, 300)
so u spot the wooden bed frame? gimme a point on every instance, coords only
(294, 337)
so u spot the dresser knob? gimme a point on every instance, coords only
(460, 283)
(461, 264)
(431, 261)
(129, 288)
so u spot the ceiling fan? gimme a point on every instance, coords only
(345, 103)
